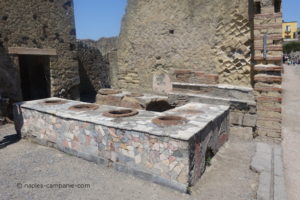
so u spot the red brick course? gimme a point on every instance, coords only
(262, 68)
(269, 58)
(268, 89)
(190, 76)
(268, 79)
(268, 99)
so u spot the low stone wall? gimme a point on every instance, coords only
(173, 156)
(197, 86)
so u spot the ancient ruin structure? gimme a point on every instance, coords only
(169, 148)
(213, 37)
(268, 66)
(190, 54)
(185, 74)
(38, 56)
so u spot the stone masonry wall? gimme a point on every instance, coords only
(267, 78)
(39, 24)
(212, 36)
(146, 154)
(108, 49)
(93, 69)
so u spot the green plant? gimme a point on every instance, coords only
(291, 47)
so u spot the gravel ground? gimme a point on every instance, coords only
(291, 130)
(24, 163)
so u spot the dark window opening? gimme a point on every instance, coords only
(257, 8)
(277, 6)
(35, 77)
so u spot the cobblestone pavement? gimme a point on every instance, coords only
(23, 162)
(291, 130)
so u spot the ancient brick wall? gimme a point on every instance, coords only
(210, 36)
(268, 68)
(43, 25)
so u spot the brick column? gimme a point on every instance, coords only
(268, 69)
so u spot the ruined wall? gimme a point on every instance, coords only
(93, 69)
(268, 68)
(107, 47)
(44, 25)
(212, 36)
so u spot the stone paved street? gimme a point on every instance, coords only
(291, 130)
(228, 178)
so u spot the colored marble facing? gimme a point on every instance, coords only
(173, 156)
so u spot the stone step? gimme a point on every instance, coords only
(222, 91)
(267, 78)
(185, 97)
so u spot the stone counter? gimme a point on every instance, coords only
(169, 155)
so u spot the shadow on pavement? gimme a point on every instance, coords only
(9, 139)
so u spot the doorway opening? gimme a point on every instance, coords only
(35, 77)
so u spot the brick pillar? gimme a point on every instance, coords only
(268, 69)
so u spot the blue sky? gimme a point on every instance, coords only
(98, 18)
(102, 18)
(291, 10)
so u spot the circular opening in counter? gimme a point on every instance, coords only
(84, 107)
(134, 94)
(55, 102)
(109, 91)
(169, 120)
(120, 113)
(159, 106)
